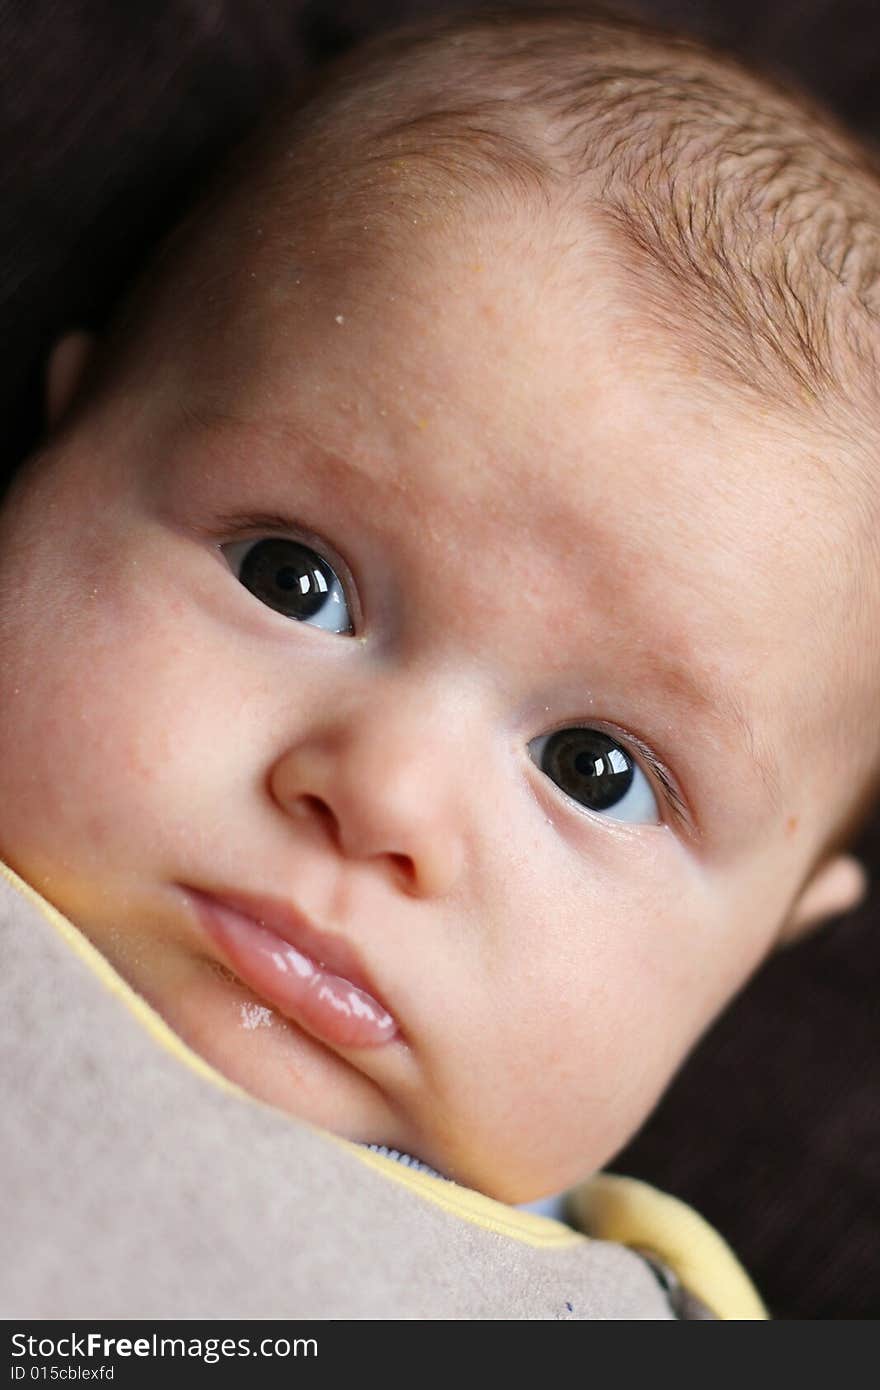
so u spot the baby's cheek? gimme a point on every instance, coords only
(79, 754)
(635, 965)
(61, 778)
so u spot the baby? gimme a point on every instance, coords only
(436, 649)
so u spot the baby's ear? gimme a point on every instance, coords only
(64, 370)
(837, 886)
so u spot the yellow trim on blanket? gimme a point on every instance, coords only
(525, 1226)
(633, 1213)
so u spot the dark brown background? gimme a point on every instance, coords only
(111, 116)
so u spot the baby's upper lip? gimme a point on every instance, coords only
(330, 951)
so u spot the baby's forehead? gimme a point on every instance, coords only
(528, 334)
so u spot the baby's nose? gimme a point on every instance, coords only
(380, 782)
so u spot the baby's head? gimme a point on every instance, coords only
(466, 543)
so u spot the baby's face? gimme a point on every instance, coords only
(369, 620)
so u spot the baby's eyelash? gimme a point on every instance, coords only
(235, 523)
(664, 777)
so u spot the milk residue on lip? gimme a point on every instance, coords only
(255, 1016)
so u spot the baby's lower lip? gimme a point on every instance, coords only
(328, 1006)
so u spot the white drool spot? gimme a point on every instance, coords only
(255, 1016)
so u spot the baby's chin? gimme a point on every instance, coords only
(508, 1168)
(277, 1063)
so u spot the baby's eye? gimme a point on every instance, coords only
(293, 579)
(593, 769)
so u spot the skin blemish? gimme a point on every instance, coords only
(791, 825)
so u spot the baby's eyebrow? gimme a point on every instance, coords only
(708, 694)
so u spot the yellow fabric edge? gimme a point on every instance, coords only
(109, 977)
(525, 1226)
(635, 1214)
(461, 1201)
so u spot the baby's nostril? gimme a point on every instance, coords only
(404, 869)
(313, 808)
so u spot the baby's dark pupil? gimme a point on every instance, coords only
(588, 766)
(287, 576)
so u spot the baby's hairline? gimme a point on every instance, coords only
(468, 108)
(509, 155)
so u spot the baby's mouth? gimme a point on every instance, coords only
(299, 984)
